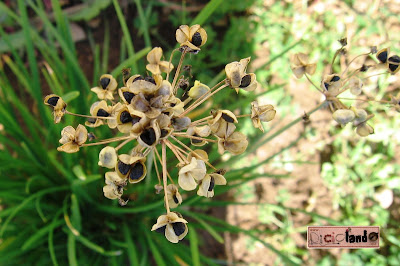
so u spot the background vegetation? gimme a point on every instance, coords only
(53, 209)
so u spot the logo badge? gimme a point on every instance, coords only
(319, 237)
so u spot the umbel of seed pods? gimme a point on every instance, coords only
(151, 111)
(334, 84)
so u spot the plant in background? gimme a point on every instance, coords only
(334, 84)
(154, 114)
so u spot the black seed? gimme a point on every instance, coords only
(212, 184)
(173, 105)
(227, 118)
(393, 67)
(164, 132)
(125, 117)
(92, 120)
(161, 229)
(179, 215)
(179, 228)
(136, 171)
(104, 83)
(103, 113)
(196, 141)
(166, 113)
(128, 96)
(196, 39)
(150, 79)
(136, 119)
(382, 56)
(326, 85)
(53, 100)
(175, 199)
(138, 78)
(123, 168)
(335, 78)
(148, 136)
(246, 80)
(396, 60)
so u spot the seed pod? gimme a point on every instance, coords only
(364, 130)
(343, 116)
(108, 157)
(393, 64)
(382, 55)
(198, 90)
(355, 85)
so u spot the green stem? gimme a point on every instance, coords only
(127, 35)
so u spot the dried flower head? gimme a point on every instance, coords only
(191, 38)
(156, 66)
(235, 143)
(131, 167)
(237, 76)
(301, 65)
(58, 105)
(206, 185)
(172, 225)
(173, 195)
(108, 85)
(72, 139)
(222, 124)
(199, 134)
(156, 112)
(332, 83)
(114, 185)
(190, 173)
(263, 113)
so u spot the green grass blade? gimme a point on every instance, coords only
(118, 70)
(132, 254)
(127, 35)
(207, 227)
(26, 201)
(31, 241)
(33, 65)
(206, 12)
(71, 250)
(154, 250)
(75, 213)
(143, 23)
(194, 246)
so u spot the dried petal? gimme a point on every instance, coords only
(108, 157)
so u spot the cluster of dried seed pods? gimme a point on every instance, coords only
(153, 115)
(333, 85)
